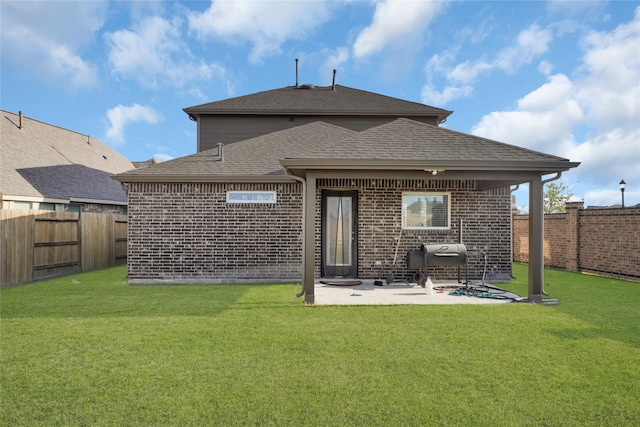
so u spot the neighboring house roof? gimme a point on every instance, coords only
(318, 101)
(145, 163)
(43, 161)
(401, 144)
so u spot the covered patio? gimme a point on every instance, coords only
(487, 174)
(409, 293)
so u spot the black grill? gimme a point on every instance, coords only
(437, 255)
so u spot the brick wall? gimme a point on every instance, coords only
(486, 227)
(604, 241)
(106, 209)
(186, 232)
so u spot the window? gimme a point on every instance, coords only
(426, 211)
(251, 197)
(22, 205)
(47, 207)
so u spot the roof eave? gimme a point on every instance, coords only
(126, 178)
(194, 113)
(546, 166)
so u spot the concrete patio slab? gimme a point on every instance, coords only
(394, 294)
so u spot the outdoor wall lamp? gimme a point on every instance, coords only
(434, 171)
(622, 185)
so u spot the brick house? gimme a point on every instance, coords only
(300, 183)
(46, 167)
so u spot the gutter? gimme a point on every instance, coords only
(549, 166)
(553, 178)
(134, 177)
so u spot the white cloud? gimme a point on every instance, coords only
(395, 23)
(162, 157)
(121, 116)
(609, 156)
(333, 61)
(542, 121)
(265, 24)
(610, 196)
(49, 38)
(529, 44)
(603, 101)
(154, 54)
(609, 86)
(432, 96)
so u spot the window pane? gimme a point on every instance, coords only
(425, 210)
(21, 205)
(338, 250)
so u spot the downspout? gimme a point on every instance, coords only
(304, 233)
(553, 178)
(511, 190)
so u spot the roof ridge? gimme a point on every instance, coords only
(52, 125)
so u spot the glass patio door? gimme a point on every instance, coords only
(339, 229)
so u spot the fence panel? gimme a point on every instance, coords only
(121, 231)
(37, 244)
(16, 246)
(56, 244)
(97, 245)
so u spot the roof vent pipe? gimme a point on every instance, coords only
(333, 86)
(20, 118)
(296, 72)
(219, 157)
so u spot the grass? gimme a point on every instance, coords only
(89, 349)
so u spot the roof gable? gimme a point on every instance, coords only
(318, 100)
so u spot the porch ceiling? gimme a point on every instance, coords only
(487, 174)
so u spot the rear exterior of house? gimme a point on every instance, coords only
(325, 200)
(191, 232)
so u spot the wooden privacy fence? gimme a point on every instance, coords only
(39, 244)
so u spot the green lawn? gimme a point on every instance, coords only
(91, 350)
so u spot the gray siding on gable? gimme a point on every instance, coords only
(227, 129)
(187, 233)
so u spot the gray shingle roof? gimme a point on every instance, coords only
(45, 161)
(401, 140)
(405, 139)
(318, 101)
(257, 156)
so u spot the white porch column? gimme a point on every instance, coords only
(536, 240)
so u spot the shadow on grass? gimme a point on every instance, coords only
(610, 306)
(106, 293)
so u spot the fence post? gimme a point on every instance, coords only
(572, 211)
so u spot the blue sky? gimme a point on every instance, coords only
(561, 77)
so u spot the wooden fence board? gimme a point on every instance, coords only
(17, 246)
(37, 244)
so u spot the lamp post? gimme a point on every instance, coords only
(622, 185)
